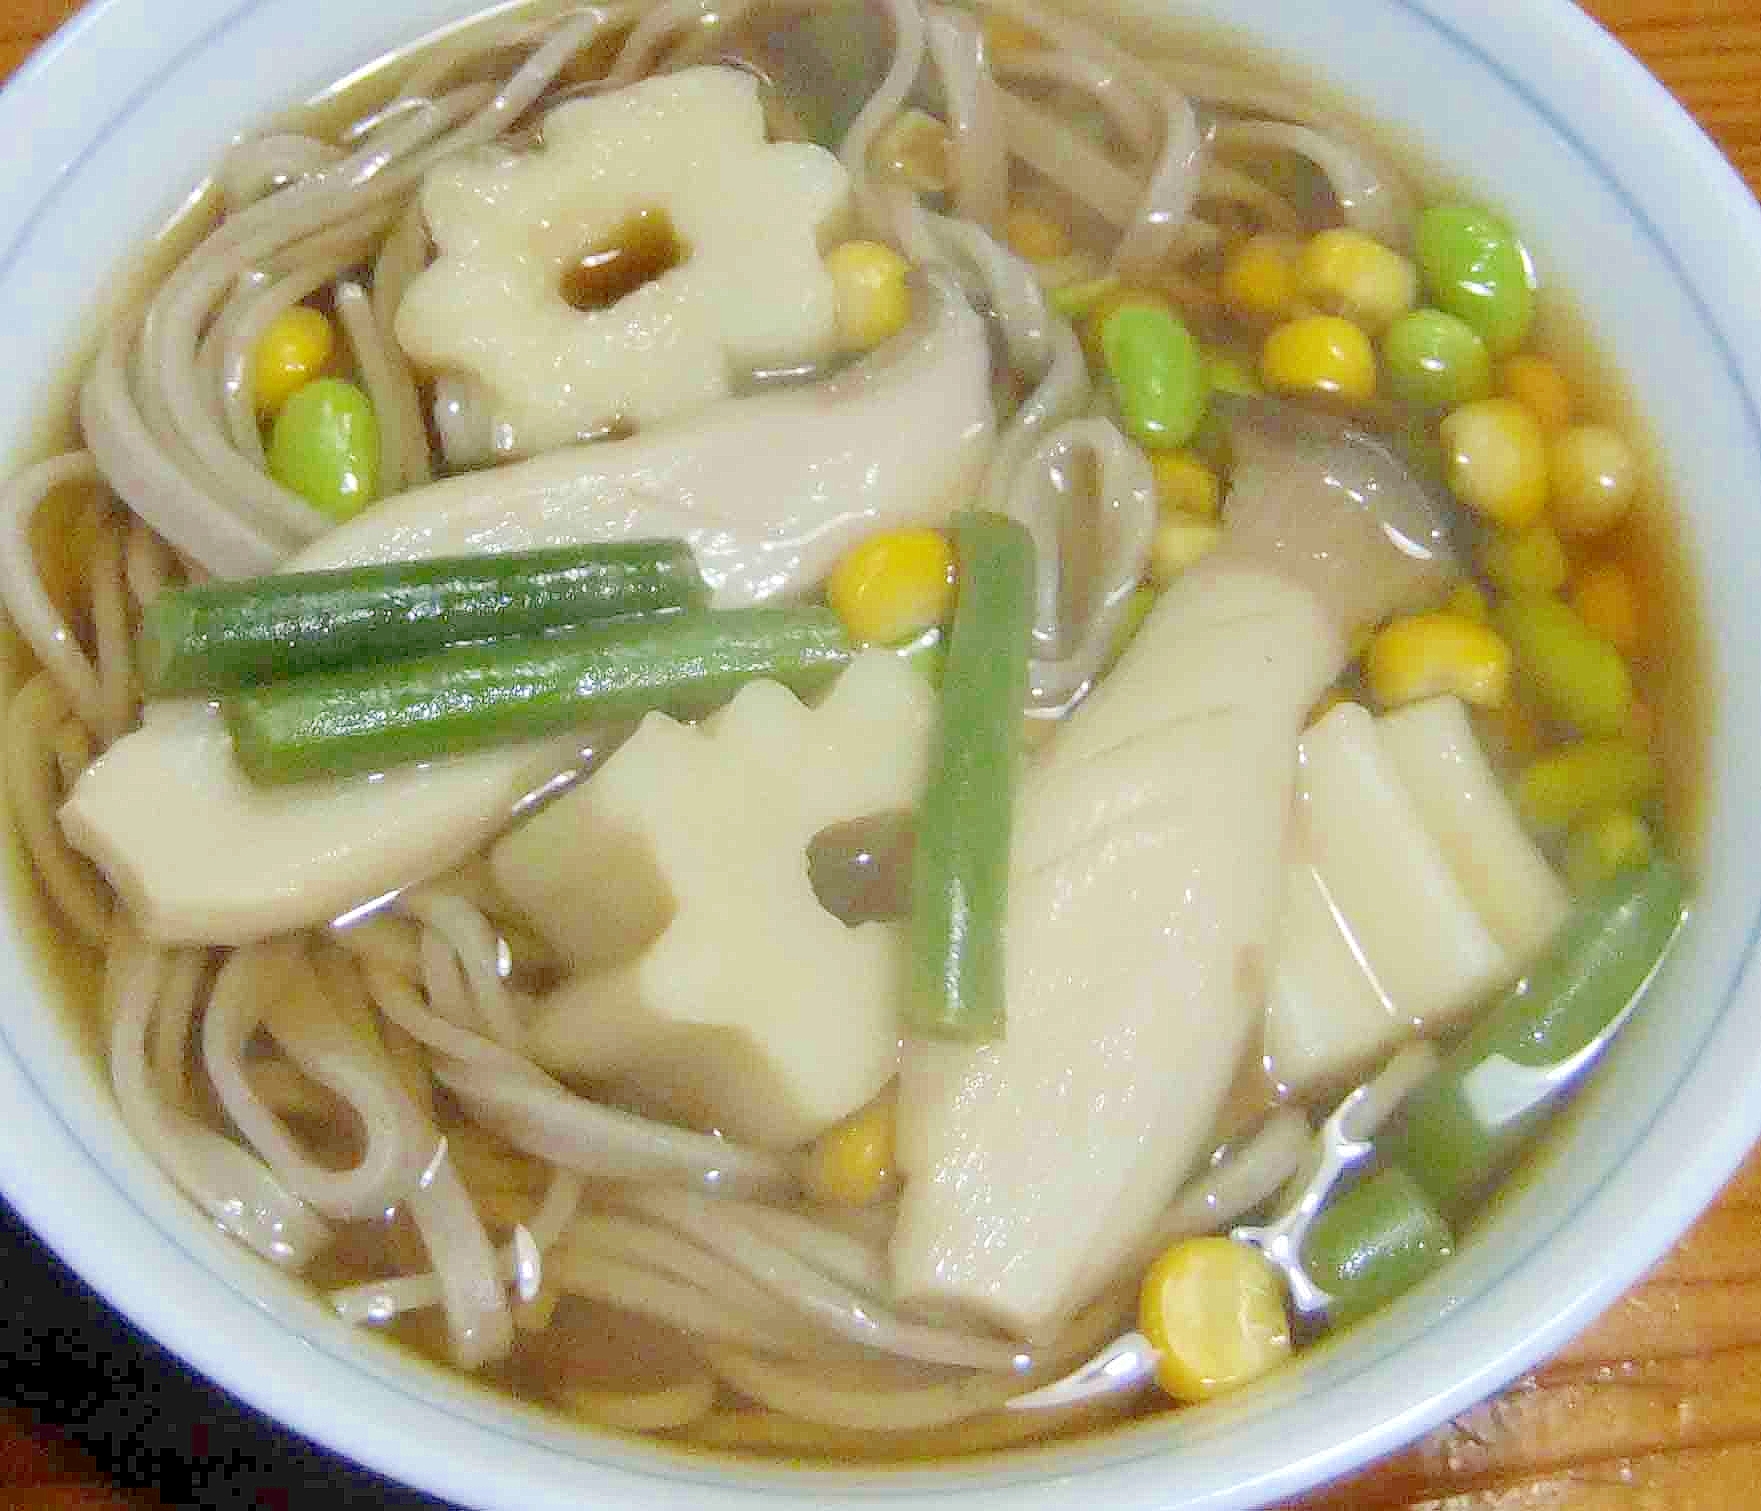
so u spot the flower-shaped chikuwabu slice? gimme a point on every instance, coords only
(731, 226)
(707, 978)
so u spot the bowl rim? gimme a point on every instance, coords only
(137, 1265)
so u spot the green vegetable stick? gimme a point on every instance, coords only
(1573, 673)
(961, 870)
(224, 635)
(471, 696)
(1465, 1125)
(1381, 1238)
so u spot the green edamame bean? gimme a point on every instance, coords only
(1436, 359)
(1475, 268)
(1476, 1113)
(1566, 785)
(1157, 371)
(1530, 560)
(1575, 675)
(1379, 1239)
(325, 447)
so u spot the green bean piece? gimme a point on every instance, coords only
(1435, 360)
(1475, 268)
(468, 697)
(1573, 673)
(325, 447)
(1527, 560)
(1157, 372)
(927, 652)
(1381, 1238)
(1466, 1124)
(1562, 787)
(218, 636)
(959, 882)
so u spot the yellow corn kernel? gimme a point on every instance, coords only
(1178, 544)
(1568, 784)
(1324, 354)
(1035, 235)
(1469, 601)
(1344, 272)
(1529, 560)
(851, 1163)
(291, 352)
(1185, 485)
(1231, 371)
(1495, 458)
(893, 586)
(1606, 844)
(868, 280)
(1214, 1310)
(1005, 37)
(915, 150)
(1593, 475)
(1540, 387)
(1607, 601)
(1424, 655)
(1259, 279)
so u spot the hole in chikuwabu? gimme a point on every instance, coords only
(643, 248)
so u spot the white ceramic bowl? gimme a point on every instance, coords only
(1623, 202)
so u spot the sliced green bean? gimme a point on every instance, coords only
(960, 873)
(1576, 676)
(471, 696)
(1466, 1124)
(218, 636)
(1381, 1238)
(1574, 781)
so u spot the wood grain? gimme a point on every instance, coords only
(1658, 1406)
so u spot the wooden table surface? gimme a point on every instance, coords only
(1656, 1408)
